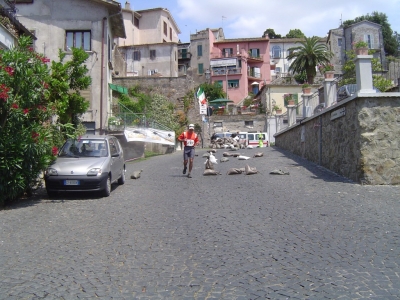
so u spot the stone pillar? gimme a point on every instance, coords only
(291, 112)
(364, 74)
(306, 105)
(329, 91)
(277, 122)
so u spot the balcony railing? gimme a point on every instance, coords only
(231, 71)
(253, 74)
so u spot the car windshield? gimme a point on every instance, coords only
(84, 148)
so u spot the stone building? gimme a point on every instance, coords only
(94, 32)
(341, 40)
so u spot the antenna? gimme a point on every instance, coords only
(223, 21)
(341, 23)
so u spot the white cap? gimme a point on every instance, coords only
(191, 126)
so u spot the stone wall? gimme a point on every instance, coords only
(174, 88)
(362, 145)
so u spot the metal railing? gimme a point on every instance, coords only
(122, 117)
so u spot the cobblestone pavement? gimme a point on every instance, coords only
(307, 235)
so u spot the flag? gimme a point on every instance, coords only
(201, 96)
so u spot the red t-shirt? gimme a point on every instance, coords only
(191, 138)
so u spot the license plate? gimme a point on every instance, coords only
(71, 182)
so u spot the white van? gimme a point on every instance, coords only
(253, 138)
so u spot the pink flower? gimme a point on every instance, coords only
(4, 92)
(35, 136)
(54, 150)
(26, 111)
(14, 106)
(9, 70)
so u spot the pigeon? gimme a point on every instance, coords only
(212, 159)
(136, 174)
(242, 157)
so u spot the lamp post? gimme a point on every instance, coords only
(208, 77)
(226, 80)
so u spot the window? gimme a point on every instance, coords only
(200, 69)
(78, 39)
(227, 52)
(217, 124)
(136, 22)
(368, 39)
(219, 82)
(254, 52)
(277, 69)
(170, 34)
(152, 54)
(249, 124)
(165, 29)
(136, 55)
(276, 52)
(232, 84)
(113, 147)
(339, 42)
(199, 50)
(184, 53)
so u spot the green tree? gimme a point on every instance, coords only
(213, 91)
(25, 141)
(295, 33)
(349, 72)
(30, 95)
(390, 42)
(271, 34)
(307, 56)
(67, 80)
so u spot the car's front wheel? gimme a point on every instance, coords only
(51, 194)
(121, 180)
(107, 187)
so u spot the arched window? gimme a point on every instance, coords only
(276, 52)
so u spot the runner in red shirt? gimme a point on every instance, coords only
(190, 140)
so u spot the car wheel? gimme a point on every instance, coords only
(121, 180)
(51, 194)
(107, 187)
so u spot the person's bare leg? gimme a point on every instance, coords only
(190, 166)
(185, 166)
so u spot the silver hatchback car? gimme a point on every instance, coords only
(90, 163)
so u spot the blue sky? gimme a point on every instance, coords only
(250, 18)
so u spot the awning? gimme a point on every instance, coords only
(118, 88)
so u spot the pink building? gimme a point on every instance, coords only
(242, 66)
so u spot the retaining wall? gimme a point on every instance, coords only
(363, 144)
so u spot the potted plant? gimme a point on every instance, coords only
(306, 88)
(288, 99)
(361, 47)
(327, 70)
(277, 109)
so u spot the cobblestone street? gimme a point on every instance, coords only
(308, 235)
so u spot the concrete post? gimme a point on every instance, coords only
(277, 123)
(329, 91)
(306, 105)
(291, 110)
(364, 74)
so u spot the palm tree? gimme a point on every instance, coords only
(308, 56)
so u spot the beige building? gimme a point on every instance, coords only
(94, 32)
(151, 44)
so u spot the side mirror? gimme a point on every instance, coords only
(115, 155)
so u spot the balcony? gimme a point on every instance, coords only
(255, 58)
(231, 71)
(254, 75)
